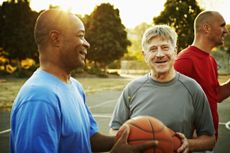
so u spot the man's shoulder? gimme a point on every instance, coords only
(186, 53)
(38, 89)
(188, 82)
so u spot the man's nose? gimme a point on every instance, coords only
(226, 30)
(86, 44)
(159, 53)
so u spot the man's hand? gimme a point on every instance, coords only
(184, 148)
(122, 146)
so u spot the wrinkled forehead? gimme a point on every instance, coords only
(159, 40)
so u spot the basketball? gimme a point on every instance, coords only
(146, 128)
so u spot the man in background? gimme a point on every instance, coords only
(196, 61)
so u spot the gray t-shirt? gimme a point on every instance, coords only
(180, 104)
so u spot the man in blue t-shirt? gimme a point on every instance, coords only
(50, 114)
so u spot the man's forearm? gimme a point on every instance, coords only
(202, 143)
(223, 91)
(102, 143)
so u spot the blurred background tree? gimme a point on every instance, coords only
(222, 54)
(135, 36)
(106, 35)
(16, 31)
(110, 41)
(180, 14)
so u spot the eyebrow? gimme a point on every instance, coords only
(80, 31)
(223, 24)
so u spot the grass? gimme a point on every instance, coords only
(10, 87)
(223, 78)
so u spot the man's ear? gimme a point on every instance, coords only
(206, 27)
(55, 38)
(176, 50)
(143, 53)
(145, 56)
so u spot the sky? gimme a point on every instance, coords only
(132, 12)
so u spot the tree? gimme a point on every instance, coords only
(16, 31)
(224, 52)
(135, 36)
(106, 35)
(227, 40)
(180, 14)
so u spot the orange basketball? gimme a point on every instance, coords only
(146, 128)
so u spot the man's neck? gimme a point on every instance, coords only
(163, 77)
(56, 71)
(203, 45)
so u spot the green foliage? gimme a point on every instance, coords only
(227, 41)
(223, 60)
(222, 54)
(16, 29)
(106, 35)
(180, 14)
(135, 36)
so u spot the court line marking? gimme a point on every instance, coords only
(101, 104)
(227, 124)
(5, 131)
(102, 115)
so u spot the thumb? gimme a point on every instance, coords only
(125, 134)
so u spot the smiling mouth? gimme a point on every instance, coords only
(160, 62)
(83, 52)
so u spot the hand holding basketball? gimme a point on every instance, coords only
(145, 128)
(185, 146)
(122, 144)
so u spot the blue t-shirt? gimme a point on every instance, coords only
(49, 116)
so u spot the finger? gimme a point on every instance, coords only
(183, 147)
(186, 150)
(125, 134)
(145, 145)
(182, 136)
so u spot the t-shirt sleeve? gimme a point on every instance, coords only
(93, 123)
(36, 127)
(203, 117)
(184, 66)
(121, 112)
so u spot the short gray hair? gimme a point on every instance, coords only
(163, 31)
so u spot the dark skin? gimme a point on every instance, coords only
(119, 146)
(63, 49)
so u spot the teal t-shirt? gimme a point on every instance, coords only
(49, 116)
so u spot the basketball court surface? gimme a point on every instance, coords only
(102, 103)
